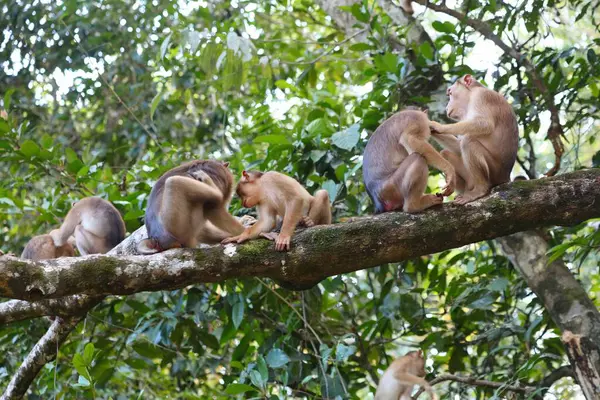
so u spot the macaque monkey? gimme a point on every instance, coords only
(395, 163)
(488, 136)
(96, 225)
(406, 5)
(278, 195)
(42, 247)
(188, 205)
(399, 379)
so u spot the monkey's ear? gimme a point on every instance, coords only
(426, 111)
(226, 164)
(468, 80)
(245, 175)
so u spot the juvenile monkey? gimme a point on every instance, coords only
(395, 164)
(486, 150)
(276, 194)
(399, 379)
(188, 205)
(96, 225)
(42, 247)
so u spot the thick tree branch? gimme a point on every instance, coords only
(555, 132)
(42, 353)
(318, 252)
(18, 310)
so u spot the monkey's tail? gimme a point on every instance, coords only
(148, 246)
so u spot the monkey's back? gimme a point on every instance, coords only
(286, 188)
(42, 248)
(101, 216)
(384, 153)
(221, 176)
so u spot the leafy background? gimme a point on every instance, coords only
(104, 96)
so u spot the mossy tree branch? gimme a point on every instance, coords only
(318, 252)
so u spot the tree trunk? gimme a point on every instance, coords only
(565, 300)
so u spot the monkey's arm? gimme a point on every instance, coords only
(449, 142)
(473, 127)
(293, 215)
(194, 191)
(433, 158)
(225, 221)
(410, 379)
(265, 223)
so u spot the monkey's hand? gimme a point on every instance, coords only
(202, 176)
(436, 127)
(450, 184)
(236, 239)
(283, 242)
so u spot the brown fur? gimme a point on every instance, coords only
(42, 248)
(489, 136)
(403, 373)
(276, 194)
(96, 225)
(188, 205)
(395, 163)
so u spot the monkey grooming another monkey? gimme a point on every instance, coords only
(276, 194)
(42, 247)
(489, 136)
(395, 164)
(399, 379)
(96, 225)
(188, 205)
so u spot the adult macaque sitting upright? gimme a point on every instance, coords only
(278, 195)
(487, 149)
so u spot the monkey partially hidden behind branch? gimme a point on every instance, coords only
(395, 163)
(188, 205)
(96, 225)
(42, 247)
(398, 380)
(489, 136)
(276, 194)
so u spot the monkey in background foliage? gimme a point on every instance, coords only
(402, 375)
(188, 205)
(42, 247)
(395, 164)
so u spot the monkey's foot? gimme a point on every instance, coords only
(469, 197)
(307, 222)
(272, 236)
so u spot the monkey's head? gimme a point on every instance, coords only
(459, 95)
(249, 189)
(418, 362)
(219, 173)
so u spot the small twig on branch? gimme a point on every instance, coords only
(43, 352)
(555, 132)
(476, 382)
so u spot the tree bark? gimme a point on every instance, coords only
(565, 300)
(317, 252)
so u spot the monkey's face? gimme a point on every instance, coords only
(418, 362)
(458, 98)
(249, 189)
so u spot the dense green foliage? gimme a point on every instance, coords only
(104, 96)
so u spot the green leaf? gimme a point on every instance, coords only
(155, 102)
(165, 46)
(237, 314)
(71, 155)
(4, 128)
(257, 379)
(342, 352)
(281, 84)
(498, 285)
(88, 354)
(46, 141)
(29, 148)
(348, 138)
(277, 358)
(596, 160)
(360, 47)
(133, 214)
(262, 368)
(332, 189)
(591, 56)
(146, 349)
(83, 381)
(238, 388)
(80, 366)
(426, 50)
(446, 27)
(7, 98)
(272, 139)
